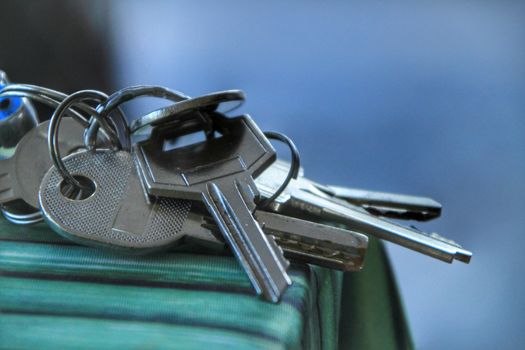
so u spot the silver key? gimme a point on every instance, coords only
(302, 198)
(391, 205)
(219, 172)
(118, 215)
(301, 240)
(21, 174)
(315, 243)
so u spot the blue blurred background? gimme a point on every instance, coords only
(424, 98)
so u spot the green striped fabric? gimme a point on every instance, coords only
(57, 295)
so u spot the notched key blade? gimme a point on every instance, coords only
(219, 171)
(260, 259)
(459, 253)
(316, 243)
(299, 200)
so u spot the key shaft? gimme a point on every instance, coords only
(398, 206)
(315, 243)
(431, 245)
(263, 266)
(219, 172)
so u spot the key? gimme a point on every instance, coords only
(121, 216)
(21, 174)
(219, 172)
(301, 240)
(392, 205)
(395, 206)
(117, 213)
(315, 243)
(305, 200)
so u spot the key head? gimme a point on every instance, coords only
(117, 214)
(219, 172)
(241, 152)
(22, 177)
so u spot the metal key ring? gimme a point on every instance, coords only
(25, 219)
(125, 95)
(49, 97)
(295, 166)
(54, 125)
(163, 115)
(52, 98)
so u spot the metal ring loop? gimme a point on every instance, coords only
(125, 95)
(27, 219)
(54, 124)
(49, 97)
(167, 114)
(52, 98)
(295, 166)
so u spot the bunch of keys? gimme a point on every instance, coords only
(139, 197)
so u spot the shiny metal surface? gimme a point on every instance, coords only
(302, 198)
(231, 98)
(219, 173)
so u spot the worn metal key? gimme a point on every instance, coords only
(118, 215)
(21, 174)
(219, 172)
(315, 243)
(391, 205)
(304, 199)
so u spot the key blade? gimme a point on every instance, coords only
(355, 218)
(395, 206)
(316, 243)
(407, 237)
(398, 206)
(251, 247)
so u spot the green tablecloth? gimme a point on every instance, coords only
(57, 295)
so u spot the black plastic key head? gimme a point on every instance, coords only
(220, 172)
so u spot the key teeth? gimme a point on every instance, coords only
(463, 256)
(272, 287)
(278, 252)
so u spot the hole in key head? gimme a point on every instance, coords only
(183, 141)
(78, 194)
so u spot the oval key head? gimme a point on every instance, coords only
(117, 213)
(22, 174)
